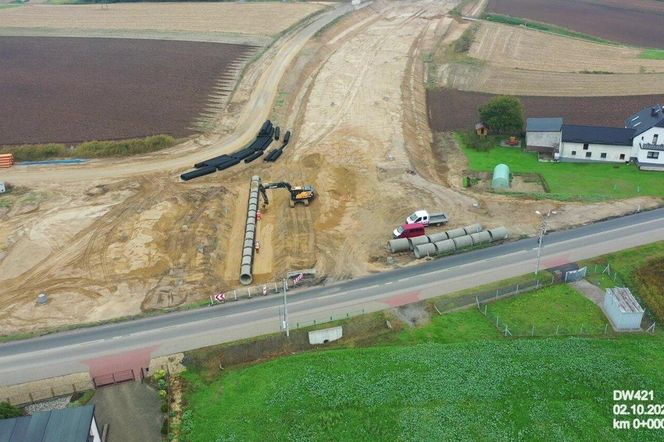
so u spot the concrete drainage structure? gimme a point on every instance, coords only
(246, 277)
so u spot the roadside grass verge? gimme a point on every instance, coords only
(546, 27)
(652, 54)
(569, 181)
(641, 269)
(90, 149)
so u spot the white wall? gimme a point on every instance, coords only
(543, 139)
(612, 152)
(647, 138)
(94, 431)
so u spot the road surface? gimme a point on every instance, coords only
(72, 352)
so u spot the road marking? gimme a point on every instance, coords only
(388, 283)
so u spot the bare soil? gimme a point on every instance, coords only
(268, 18)
(635, 22)
(452, 109)
(73, 89)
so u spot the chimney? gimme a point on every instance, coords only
(654, 111)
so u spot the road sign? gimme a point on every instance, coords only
(298, 278)
(220, 297)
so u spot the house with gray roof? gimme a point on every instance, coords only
(68, 424)
(641, 141)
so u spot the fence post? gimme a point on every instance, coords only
(532, 332)
(496, 321)
(485, 308)
(477, 301)
(552, 278)
(557, 328)
(537, 285)
(249, 291)
(606, 328)
(614, 277)
(235, 294)
(211, 301)
(517, 289)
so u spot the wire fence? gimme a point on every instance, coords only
(331, 318)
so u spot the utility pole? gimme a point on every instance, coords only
(286, 310)
(543, 227)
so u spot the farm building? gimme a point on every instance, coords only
(641, 141)
(543, 134)
(622, 309)
(501, 177)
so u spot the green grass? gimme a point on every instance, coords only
(546, 27)
(571, 181)
(493, 390)
(548, 309)
(652, 54)
(90, 149)
(461, 326)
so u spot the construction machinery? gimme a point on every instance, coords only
(298, 194)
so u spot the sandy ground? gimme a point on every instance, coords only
(233, 18)
(355, 97)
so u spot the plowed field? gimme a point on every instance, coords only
(452, 109)
(76, 89)
(636, 22)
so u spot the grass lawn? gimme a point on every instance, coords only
(572, 181)
(559, 307)
(652, 54)
(490, 390)
(461, 326)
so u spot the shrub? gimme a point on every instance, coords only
(36, 152)
(161, 384)
(159, 374)
(650, 280)
(463, 43)
(164, 427)
(164, 407)
(7, 410)
(162, 393)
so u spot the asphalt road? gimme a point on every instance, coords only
(63, 353)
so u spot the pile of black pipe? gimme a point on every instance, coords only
(254, 150)
(276, 153)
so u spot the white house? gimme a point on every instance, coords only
(641, 141)
(595, 143)
(648, 142)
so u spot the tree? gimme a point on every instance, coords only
(503, 115)
(7, 410)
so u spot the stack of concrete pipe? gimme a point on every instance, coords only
(407, 244)
(250, 233)
(424, 249)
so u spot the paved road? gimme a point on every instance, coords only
(254, 113)
(62, 353)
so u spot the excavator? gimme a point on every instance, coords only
(298, 194)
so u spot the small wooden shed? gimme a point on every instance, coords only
(481, 130)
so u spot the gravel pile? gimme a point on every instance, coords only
(50, 404)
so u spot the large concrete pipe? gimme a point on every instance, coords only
(446, 246)
(455, 233)
(481, 237)
(417, 240)
(246, 277)
(398, 245)
(436, 237)
(462, 242)
(473, 228)
(424, 250)
(498, 233)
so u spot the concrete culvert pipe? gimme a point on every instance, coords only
(481, 238)
(246, 260)
(497, 234)
(248, 251)
(248, 243)
(455, 233)
(436, 237)
(416, 241)
(251, 221)
(473, 228)
(463, 242)
(245, 275)
(252, 214)
(249, 235)
(398, 245)
(445, 246)
(424, 250)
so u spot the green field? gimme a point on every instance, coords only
(652, 54)
(571, 181)
(489, 390)
(557, 309)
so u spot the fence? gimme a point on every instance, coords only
(330, 318)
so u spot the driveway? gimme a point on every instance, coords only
(131, 410)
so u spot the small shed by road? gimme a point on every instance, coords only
(622, 309)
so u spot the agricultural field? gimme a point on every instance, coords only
(519, 48)
(430, 390)
(70, 90)
(453, 109)
(198, 19)
(634, 22)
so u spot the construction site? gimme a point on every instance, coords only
(345, 84)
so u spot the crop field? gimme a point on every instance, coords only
(635, 22)
(498, 389)
(572, 181)
(453, 110)
(74, 89)
(267, 18)
(519, 48)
